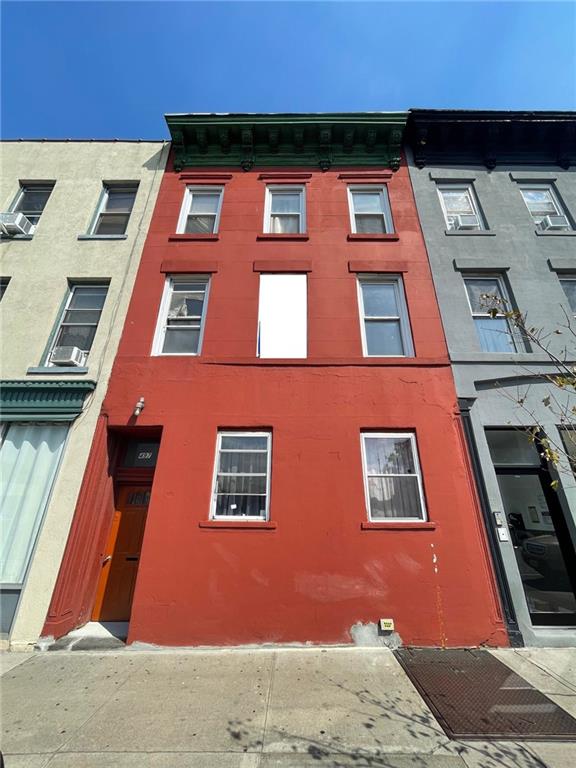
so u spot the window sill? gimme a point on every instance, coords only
(400, 526)
(392, 236)
(55, 370)
(266, 525)
(102, 237)
(184, 238)
(469, 233)
(281, 236)
(563, 233)
(9, 238)
(562, 264)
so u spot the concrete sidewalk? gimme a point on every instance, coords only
(269, 708)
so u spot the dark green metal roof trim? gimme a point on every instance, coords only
(43, 400)
(323, 139)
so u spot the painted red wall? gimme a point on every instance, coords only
(318, 571)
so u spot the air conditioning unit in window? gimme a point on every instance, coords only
(15, 224)
(466, 221)
(554, 222)
(68, 356)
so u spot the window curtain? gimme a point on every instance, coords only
(29, 460)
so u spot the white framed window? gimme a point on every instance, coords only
(486, 295)
(569, 286)
(392, 477)
(369, 210)
(114, 209)
(77, 324)
(200, 212)
(285, 210)
(542, 202)
(384, 320)
(241, 487)
(31, 201)
(182, 315)
(460, 207)
(282, 316)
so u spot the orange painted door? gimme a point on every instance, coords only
(122, 555)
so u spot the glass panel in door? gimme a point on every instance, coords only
(543, 553)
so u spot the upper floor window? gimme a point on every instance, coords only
(460, 207)
(182, 315)
(285, 210)
(392, 477)
(489, 302)
(384, 316)
(282, 316)
(242, 476)
(569, 286)
(545, 207)
(31, 201)
(77, 325)
(200, 213)
(114, 209)
(3, 285)
(369, 210)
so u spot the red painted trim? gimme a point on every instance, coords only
(282, 265)
(184, 238)
(188, 265)
(328, 362)
(377, 266)
(391, 237)
(276, 236)
(405, 526)
(206, 178)
(238, 524)
(367, 177)
(285, 178)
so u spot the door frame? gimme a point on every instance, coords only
(567, 548)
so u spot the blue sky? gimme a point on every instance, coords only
(112, 69)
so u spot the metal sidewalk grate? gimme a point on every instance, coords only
(473, 695)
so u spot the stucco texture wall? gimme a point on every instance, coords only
(39, 271)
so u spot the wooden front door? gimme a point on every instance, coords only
(122, 554)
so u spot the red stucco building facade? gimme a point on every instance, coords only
(315, 554)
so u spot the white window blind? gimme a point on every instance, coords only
(29, 460)
(282, 316)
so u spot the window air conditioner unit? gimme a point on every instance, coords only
(68, 356)
(554, 222)
(15, 224)
(466, 221)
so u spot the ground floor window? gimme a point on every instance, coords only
(242, 475)
(392, 477)
(29, 458)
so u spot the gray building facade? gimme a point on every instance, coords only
(496, 195)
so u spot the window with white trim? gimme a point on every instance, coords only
(182, 315)
(285, 210)
(114, 209)
(242, 476)
(544, 206)
(369, 210)
(460, 207)
(282, 316)
(79, 321)
(200, 212)
(31, 201)
(392, 478)
(569, 286)
(489, 301)
(384, 316)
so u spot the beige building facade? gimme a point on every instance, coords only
(74, 219)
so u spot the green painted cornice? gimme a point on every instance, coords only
(323, 140)
(43, 400)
